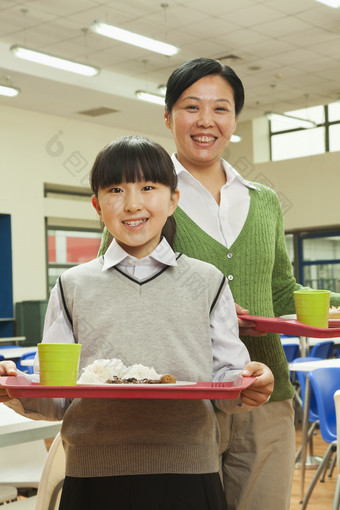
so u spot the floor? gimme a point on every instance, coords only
(322, 496)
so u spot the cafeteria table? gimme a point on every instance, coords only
(308, 366)
(12, 340)
(15, 429)
(15, 353)
(306, 342)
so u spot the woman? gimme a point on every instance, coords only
(237, 226)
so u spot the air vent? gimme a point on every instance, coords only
(96, 112)
(230, 58)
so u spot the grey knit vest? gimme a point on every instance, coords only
(162, 321)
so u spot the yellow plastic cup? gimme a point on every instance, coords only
(312, 307)
(58, 364)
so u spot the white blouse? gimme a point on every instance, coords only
(223, 221)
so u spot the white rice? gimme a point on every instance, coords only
(139, 372)
(103, 369)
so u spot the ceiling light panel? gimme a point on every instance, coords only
(135, 39)
(150, 98)
(8, 91)
(330, 3)
(53, 61)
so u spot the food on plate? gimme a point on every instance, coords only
(113, 371)
(168, 379)
(334, 312)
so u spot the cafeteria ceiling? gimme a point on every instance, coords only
(287, 53)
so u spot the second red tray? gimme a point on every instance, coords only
(292, 327)
(21, 386)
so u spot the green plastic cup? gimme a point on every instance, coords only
(58, 364)
(312, 307)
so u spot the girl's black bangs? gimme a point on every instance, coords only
(137, 163)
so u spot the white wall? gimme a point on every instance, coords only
(38, 149)
(308, 188)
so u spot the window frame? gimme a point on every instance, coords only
(298, 237)
(65, 265)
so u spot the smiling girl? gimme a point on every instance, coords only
(145, 304)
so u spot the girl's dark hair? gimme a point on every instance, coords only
(193, 70)
(131, 159)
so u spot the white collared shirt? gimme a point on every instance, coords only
(223, 221)
(229, 353)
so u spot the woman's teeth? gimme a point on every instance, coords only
(203, 139)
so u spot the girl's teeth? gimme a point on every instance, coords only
(133, 223)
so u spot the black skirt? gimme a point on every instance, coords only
(144, 492)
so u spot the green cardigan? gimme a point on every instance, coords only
(258, 270)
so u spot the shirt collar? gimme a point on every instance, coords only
(116, 255)
(231, 173)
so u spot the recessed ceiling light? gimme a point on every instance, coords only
(235, 138)
(135, 39)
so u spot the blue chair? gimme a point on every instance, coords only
(323, 350)
(313, 416)
(292, 351)
(313, 411)
(336, 500)
(324, 382)
(23, 368)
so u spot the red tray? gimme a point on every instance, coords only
(293, 327)
(21, 386)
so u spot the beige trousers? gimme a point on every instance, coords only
(257, 456)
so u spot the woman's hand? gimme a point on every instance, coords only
(259, 392)
(6, 368)
(246, 328)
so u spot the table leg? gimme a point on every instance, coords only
(303, 346)
(304, 443)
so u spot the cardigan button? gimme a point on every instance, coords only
(230, 277)
(229, 255)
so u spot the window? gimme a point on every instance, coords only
(288, 141)
(297, 144)
(321, 261)
(290, 246)
(67, 248)
(317, 258)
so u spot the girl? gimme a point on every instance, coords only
(143, 303)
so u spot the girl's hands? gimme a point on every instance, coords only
(6, 368)
(259, 392)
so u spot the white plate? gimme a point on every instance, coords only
(134, 385)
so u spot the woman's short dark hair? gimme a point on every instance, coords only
(131, 159)
(193, 70)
